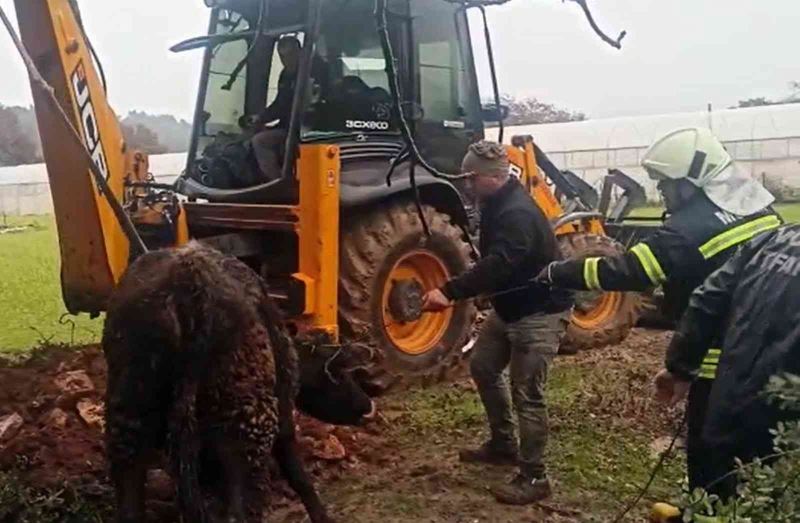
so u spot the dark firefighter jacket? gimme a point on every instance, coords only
(754, 299)
(516, 243)
(689, 246)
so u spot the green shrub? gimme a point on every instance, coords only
(766, 492)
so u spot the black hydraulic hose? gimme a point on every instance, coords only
(262, 12)
(381, 19)
(77, 11)
(410, 151)
(417, 200)
(397, 160)
(37, 80)
(493, 70)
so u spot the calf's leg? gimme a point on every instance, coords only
(129, 484)
(129, 446)
(233, 465)
(294, 472)
(135, 425)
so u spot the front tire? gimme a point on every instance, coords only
(387, 245)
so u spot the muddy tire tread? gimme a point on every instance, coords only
(581, 245)
(366, 242)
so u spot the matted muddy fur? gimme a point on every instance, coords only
(199, 365)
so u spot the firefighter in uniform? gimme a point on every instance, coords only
(754, 299)
(713, 208)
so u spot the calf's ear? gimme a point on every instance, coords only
(356, 356)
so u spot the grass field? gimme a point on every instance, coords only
(30, 293)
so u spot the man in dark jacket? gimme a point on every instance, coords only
(753, 300)
(714, 207)
(525, 328)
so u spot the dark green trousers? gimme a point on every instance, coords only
(523, 352)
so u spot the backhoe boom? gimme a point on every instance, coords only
(94, 248)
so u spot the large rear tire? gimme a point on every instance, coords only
(388, 245)
(600, 318)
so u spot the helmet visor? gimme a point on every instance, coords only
(735, 191)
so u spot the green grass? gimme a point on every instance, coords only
(789, 211)
(599, 462)
(30, 291)
(67, 504)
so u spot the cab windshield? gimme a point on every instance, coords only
(356, 97)
(348, 90)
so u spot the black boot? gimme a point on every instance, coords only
(523, 491)
(491, 454)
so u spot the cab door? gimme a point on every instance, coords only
(445, 83)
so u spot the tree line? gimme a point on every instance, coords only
(153, 134)
(761, 101)
(162, 133)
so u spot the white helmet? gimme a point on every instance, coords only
(696, 155)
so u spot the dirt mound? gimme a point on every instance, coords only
(623, 393)
(58, 396)
(59, 438)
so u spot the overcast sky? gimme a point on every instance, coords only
(679, 55)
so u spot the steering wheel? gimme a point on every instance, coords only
(247, 122)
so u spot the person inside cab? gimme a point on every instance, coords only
(268, 142)
(714, 207)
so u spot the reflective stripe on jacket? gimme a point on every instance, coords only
(679, 255)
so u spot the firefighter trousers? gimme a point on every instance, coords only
(711, 466)
(700, 462)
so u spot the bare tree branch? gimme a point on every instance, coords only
(607, 39)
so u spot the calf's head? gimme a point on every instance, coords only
(328, 391)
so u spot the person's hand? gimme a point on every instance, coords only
(545, 276)
(670, 389)
(435, 301)
(249, 121)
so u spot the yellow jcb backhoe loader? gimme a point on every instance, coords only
(344, 251)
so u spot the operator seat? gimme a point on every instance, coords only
(227, 173)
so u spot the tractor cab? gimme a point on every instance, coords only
(337, 92)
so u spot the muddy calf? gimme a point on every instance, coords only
(200, 366)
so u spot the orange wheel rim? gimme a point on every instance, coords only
(416, 337)
(598, 311)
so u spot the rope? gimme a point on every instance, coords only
(654, 473)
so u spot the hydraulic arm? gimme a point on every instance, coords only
(94, 247)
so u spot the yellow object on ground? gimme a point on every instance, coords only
(664, 513)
